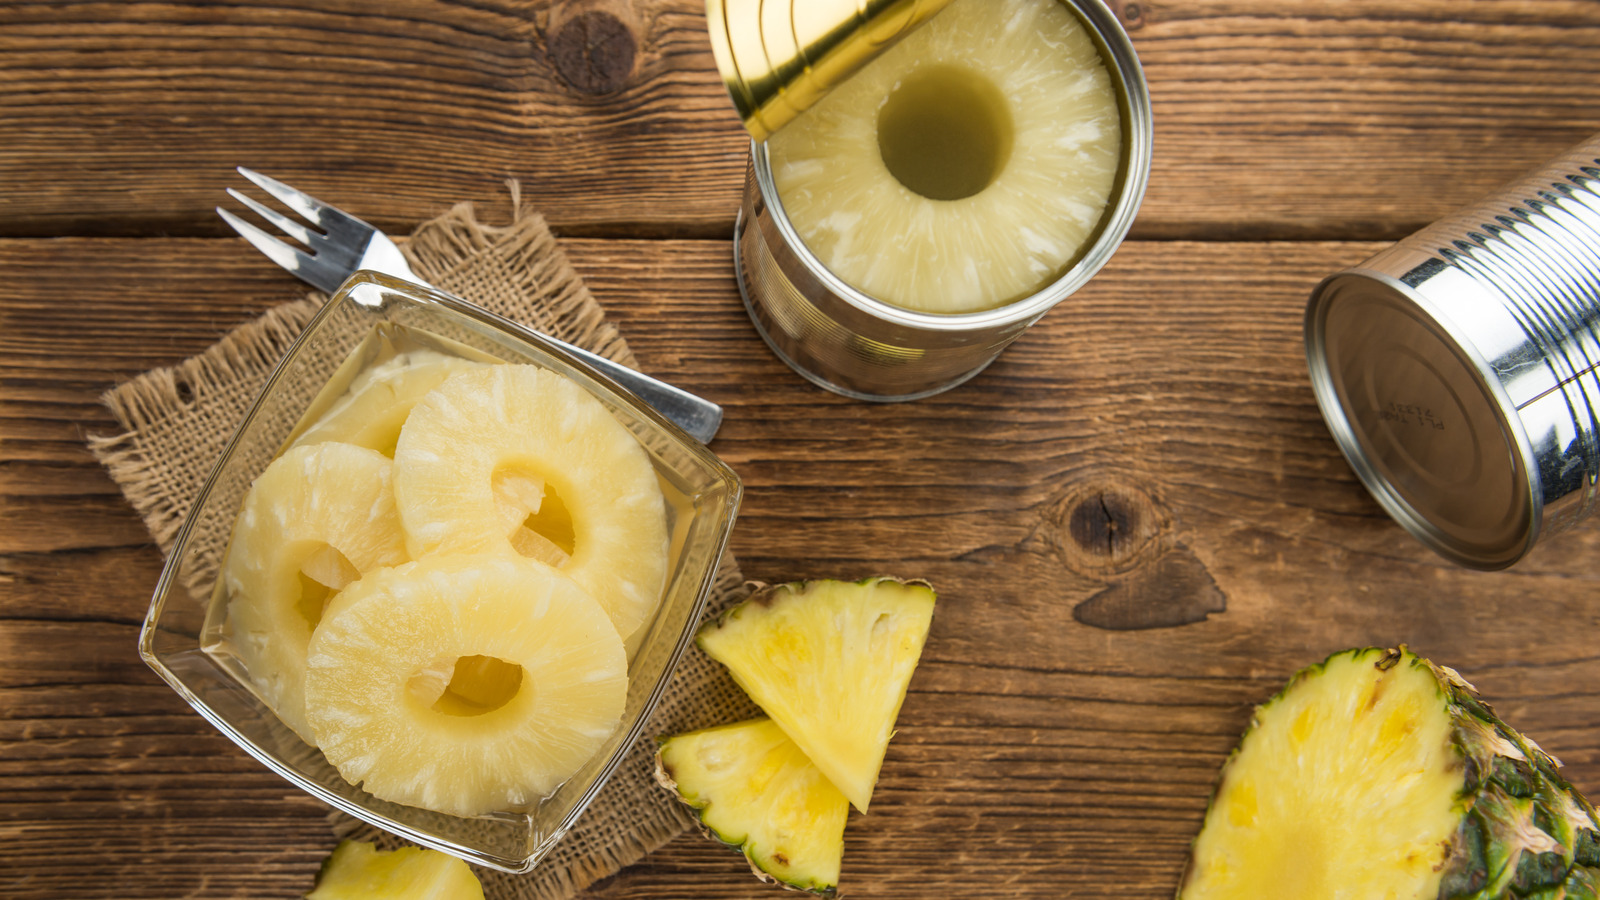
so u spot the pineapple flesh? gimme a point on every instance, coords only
(1377, 775)
(387, 709)
(358, 870)
(370, 413)
(314, 521)
(830, 662)
(956, 173)
(757, 792)
(531, 440)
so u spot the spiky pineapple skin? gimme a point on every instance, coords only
(1524, 831)
(781, 771)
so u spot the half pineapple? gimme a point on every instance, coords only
(1377, 774)
(830, 662)
(757, 792)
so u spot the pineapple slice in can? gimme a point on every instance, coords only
(1377, 774)
(830, 662)
(755, 791)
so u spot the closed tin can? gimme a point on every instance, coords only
(1459, 370)
(842, 339)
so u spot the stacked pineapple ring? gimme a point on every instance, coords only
(384, 610)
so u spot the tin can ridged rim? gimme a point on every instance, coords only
(1382, 490)
(1133, 95)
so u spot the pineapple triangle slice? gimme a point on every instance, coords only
(358, 870)
(830, 662)
(757, 792)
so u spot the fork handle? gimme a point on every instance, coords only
(695, 415)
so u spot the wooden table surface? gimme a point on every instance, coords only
(1048, 748)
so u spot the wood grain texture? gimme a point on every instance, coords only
(1038, 756)
(1330, 119)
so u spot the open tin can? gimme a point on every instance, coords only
(1458, 372)
(833, 334)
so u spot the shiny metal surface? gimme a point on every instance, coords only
(344, 244)
(778, 57)
(1459, 370)
(845, 341)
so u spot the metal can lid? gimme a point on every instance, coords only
(1422, 419)
(779, 57)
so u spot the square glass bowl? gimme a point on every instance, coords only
(374, 317)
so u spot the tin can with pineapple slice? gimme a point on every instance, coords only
(1459, 370)
(817, 316)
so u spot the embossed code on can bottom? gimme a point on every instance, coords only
(1459, 370)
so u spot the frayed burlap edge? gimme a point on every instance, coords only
(175, 421)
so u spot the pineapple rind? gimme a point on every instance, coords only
(830, 662)
(1523, 831)
(750, 785)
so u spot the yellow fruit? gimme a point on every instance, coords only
(965, 167)
(316, 519)
(369, 414)
(758, 793)
(830, 662)
(385, 704)
(473, 448)
(360, 871)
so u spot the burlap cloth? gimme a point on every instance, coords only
(176, 420)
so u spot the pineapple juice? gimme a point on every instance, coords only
(967, 167)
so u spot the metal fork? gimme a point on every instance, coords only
(341, 243)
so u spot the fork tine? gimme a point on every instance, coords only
(322, 274)
(287, 225)
(311, 208)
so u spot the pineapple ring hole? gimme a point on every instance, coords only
(322, 576)
(945, 132)
(476, 685)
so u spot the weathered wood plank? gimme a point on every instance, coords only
(1334, 119)
(1038, 755)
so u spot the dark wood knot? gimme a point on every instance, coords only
(593, 50)
(1132, 13)
(1105, 527)
(1176, 589)
(1122, 536)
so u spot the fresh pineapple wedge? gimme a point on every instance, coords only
(318, 518)
(830, 662)
(385, 701)
(358, 870)
(1377, 774)
(483, 439)
(370, 413)
(757, 792)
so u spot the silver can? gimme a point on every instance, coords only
(846, 341)
(1459, 370)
